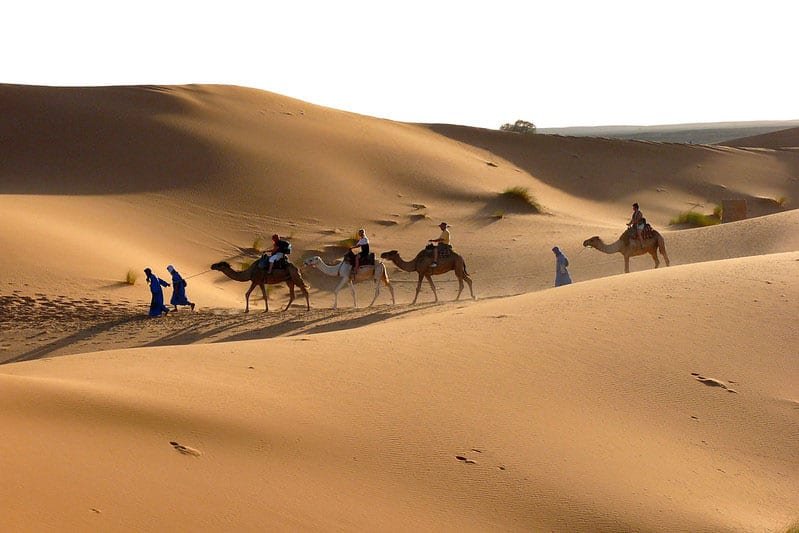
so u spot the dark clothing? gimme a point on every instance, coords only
(284, 246)
(157, 306)
(178, 290)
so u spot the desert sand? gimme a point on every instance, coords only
(660, 400)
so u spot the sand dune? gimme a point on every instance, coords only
(787, 138)
(576, 415)
(659, 400)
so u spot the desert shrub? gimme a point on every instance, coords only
(718, 211)
(258, 244)
(350, 241)
(522, 194)
(131, 277)
(499, 213)
(520, 126)
(782, 201)
(695, 219)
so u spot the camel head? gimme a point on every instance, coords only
(220, 266)
(592, 242)
(312, 261)
(390, 254)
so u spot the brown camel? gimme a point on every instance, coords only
(421, 265)
(631, 247)
(257, 276)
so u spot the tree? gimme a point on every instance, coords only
(520, 126)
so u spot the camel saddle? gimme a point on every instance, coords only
(349, 257)
(444, 250)
(647, 233)
(282, 263)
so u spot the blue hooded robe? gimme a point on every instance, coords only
(178, 290)
(561, 273)
(157, 306)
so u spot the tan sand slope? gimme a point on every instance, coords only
(787, 138)
(590, 407)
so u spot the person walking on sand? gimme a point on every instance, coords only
(178, 289)
(561, 272)
(157, 307)
(442, 241)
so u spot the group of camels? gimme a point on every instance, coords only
(291, 275)
(421, 264)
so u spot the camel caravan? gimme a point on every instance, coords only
(274, 267)
(437, 258)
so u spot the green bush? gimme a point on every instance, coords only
(694, 219)
(520, 126)
(521, 194)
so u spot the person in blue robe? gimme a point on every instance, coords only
(157, 307)
(178, 289)
(561, 272)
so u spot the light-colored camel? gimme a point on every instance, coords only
(376, 272)
(631, 247)
(421, 265)
(257, 276)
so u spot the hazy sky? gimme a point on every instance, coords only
(555, 63)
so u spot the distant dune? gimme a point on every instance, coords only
(658, 400)
(788, 138)
(700, 133)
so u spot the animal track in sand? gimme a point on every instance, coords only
(713, 382)
(185, 450)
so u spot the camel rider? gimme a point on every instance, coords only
(637, 222)
(363, 255)
(441, 241)
(280, 248)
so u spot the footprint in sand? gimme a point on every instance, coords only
(712, 382)
(465, 460)
(185, 450)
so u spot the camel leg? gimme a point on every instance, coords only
(307, 297)
(460, 288)
(654, 253)
(344, 281)
(432, 286)
(266, 299)
(662, 247)
(377, 289)
(626, 264)
(291, 294)
(354, 295)
(247, 298)
(418, 288)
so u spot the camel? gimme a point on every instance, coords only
(631, 247)
(421, 265)
(257, 276)
(376, 272)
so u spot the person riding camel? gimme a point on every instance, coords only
(363, 255)
(637, 222)
(280, 248)
(440, 242)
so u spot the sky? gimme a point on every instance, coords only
(555, 63)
